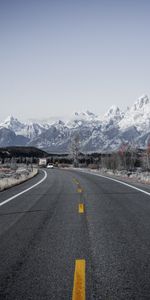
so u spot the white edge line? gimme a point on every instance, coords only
(28, 189)
(118, 181)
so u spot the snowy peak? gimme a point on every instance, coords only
(10, 120)
(141, 103)
(58, 123)
(82, 118)
(138, 115)
(113, 114)
(85, 115)
(12, 124)
(29, 130)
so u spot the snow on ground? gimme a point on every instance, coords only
(12, 178)
(143, 177)
(138, 176)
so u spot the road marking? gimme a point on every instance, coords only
(118, 181)
(79, 280)
(79, 190)
(28, 189)
(81, 208)
(76, 181)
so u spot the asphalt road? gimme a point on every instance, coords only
(42, 235)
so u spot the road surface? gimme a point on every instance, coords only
(74, 236)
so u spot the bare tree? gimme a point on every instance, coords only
(148, 154)
(123, 155)
(75, 149)
(132, 149)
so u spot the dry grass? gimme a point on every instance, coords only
(6, 183)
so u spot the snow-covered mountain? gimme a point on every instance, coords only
(9, 138)
(114, 113)
(138, 115)
(96, 133)
(12, 124)
(29, 130)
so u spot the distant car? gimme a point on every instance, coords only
(50, 166)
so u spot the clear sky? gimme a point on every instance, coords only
(59, 56)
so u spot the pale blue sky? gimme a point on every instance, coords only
(59, 56)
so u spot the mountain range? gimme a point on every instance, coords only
(96, 134)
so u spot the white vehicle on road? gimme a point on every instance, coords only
(50, 166)
(42, 162)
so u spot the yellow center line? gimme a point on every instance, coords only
(79, 280)
(81, 208)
